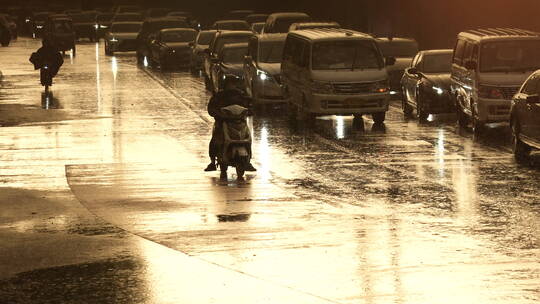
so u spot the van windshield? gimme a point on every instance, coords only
(510, 56)
(341, 55)
(271, 52)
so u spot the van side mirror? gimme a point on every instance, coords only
(533, 98)
(470, 65)
(388, 61)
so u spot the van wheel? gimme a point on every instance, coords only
(407, 109)
(520, 149)
(462, 118)
(378, 118)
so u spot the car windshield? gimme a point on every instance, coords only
(63, 26)
(165, 24)
(396, 48)
(126, 28)
(271, 52)
(351, 54)
(510, 56)
(205, 38)
(84, 18)
(234, 55)
(437, 63)
(179, 36)
(240, 26)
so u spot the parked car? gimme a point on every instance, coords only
(335, 72)
(281, 22)
(426, 84)
(229, 62)
(5, 33)
(403, 49)
(60, 31)
(149, 30)
(200, 45)
(39, 22)
(85, 25)
(128, 17)
(256, 18)
(171, 48)
(220, 39)
(12, 26)
(71, 12)
(489, 66)
(122, 37)
(313, 25)
(262, 69)
(230, 25)
(257, 28)
(525, 118)
(103, 23)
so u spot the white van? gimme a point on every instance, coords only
(489, 66)
(335, 72)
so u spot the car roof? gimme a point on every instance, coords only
(272, 37)
(178, 29)
(398, 39)
(330, 34)
(127, 22)
(230, 21)
(315, 23)
(288, 15)
(233, 33)
(498, 33)
(437, 52)
(234, 46)
(208, 31)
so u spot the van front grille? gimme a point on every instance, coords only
(352, 88)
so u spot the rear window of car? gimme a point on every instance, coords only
(206, 37)
(178, 36)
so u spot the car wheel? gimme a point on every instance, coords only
(74, 51)
(378, 118)
(521, 150)
(407, 109)
(477, 125)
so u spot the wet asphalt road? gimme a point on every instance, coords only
(103, 200)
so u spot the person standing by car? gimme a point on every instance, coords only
(230, 95)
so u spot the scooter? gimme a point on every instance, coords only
(46, 77)
(236, 148)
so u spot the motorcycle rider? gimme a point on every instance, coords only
(230, 95)
(47, 55)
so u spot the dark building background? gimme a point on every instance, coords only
(434, 23)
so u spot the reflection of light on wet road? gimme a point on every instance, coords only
(265, 153)
(98, 79)
(440, 152)
(114, 68)
(340, 127)
(145, 62)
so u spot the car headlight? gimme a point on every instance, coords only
(96, 26)
(103, 26)
(438, 90)
(322, 87)
(263, 75)
(380, 87)
(39, 26)
(490, 92)
(113, 39)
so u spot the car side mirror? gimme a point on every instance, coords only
(533, 98)
(470, 65)
(413, 71)
(390, 61)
